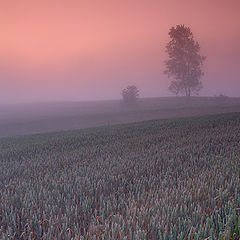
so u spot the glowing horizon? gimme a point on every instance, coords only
(87, 50)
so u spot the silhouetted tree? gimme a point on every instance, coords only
(130, 94)
(185, 62)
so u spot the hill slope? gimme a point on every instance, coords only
(163, 179)
(49, 117)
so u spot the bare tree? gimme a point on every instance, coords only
(130, 94)
(185, 62)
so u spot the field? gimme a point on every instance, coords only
(33, 118)
(159, 179)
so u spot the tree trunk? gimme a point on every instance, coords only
(188, 92)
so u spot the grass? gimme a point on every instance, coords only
(161, 179)
(48, 117)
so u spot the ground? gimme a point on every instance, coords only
(159, 179)
(47, 117)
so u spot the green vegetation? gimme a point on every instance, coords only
(163, 179)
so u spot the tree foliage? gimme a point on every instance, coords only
(185, 62)
(130, 94)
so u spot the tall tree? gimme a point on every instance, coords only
(185, 62)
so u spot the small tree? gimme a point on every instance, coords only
(185, 62)
(130, 94)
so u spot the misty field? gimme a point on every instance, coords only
(32, 118)
(161, 179)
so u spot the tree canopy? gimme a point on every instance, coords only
(130, 94)
(185, 62)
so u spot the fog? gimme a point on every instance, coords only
(78, 51)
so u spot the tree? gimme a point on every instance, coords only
(185, 62)
(130, 94)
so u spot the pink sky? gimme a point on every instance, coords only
(87, 50)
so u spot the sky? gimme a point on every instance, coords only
(74, 50)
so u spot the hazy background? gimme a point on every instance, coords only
(89, 50)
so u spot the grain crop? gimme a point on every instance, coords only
(159, 179)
